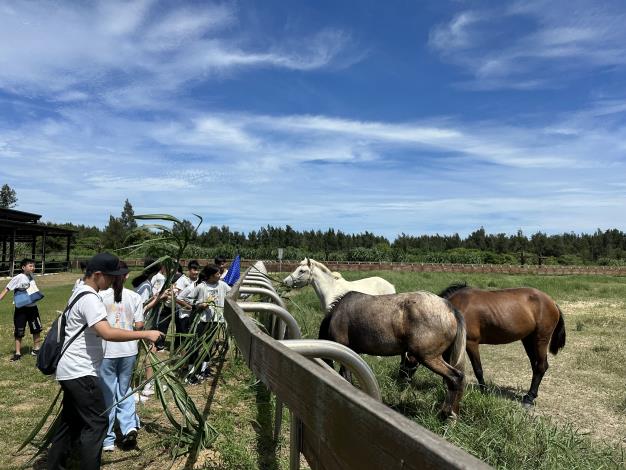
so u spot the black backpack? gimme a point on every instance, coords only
(52, 348)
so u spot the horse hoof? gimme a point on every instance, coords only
(448, 416)
(527, 405)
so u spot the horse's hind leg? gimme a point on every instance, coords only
(453, 379)
(474, 357)
(537, 350)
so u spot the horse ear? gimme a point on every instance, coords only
(308, 262)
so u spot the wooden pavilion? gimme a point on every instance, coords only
(24, 227)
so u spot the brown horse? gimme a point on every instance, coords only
(507, 315)
(417, 325)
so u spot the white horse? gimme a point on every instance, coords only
(331, 286)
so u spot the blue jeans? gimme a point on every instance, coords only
(115, 375)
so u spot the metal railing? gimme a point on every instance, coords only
(333, 424)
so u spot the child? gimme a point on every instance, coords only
(27, 314)
(117, 366)
(220, 262)
(158, 280)
(143, 287)
(208, 298)
(83, 421)
(80, 281)
(183, 287)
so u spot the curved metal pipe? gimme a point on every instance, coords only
(259, 290)
(258, 267)
(257, 282)
(293, 330)
(338, 352)
(259, 278)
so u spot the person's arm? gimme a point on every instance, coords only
(4, 292)
(139, 325)
(153, 301)
(108, 333)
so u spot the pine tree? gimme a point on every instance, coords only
(114, 233)
(8, 198)
(128, 217)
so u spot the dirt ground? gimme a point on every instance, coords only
(588, 401)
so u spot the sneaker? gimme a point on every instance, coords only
(16, 357)
(148, 390)
(34, 352)
(206, 373)
(129, 441)
(109, 448)
(192, 380)
(139, 398)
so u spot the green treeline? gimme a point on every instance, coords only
(602, 247)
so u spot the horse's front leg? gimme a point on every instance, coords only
(345, 373)
(408, 366)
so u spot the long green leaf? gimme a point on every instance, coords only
(168, 217)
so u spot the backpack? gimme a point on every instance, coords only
(52, 348)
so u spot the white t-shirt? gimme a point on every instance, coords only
(23, 282)
(157, 281)
(215, 293)
(185, 295)
(84, 355)
(79, 282)
(122, 315)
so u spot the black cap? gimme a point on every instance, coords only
(106, 263)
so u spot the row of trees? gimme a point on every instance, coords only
(601, 247)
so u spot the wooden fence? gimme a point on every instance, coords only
(342, 427)
(551, 270)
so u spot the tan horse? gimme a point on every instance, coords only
(420, 326)
(507, 315)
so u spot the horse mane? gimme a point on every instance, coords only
(452, 288)
(321, 266)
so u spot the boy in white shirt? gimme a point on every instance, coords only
(208, 299)
(83, 417)
(183, 286)
(26, 314)
(220, 262)
(117, 366)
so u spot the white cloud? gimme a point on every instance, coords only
(71, 51)
(533, 44)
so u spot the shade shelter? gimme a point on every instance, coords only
(17, 227)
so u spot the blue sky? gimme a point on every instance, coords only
(428, 116)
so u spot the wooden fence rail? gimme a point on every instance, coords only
(342, 427)
(551, 270)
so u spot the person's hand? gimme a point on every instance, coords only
(153, 335)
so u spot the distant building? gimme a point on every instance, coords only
(22, 229)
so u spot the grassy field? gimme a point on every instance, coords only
(579, 420)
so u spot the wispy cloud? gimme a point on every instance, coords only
(118, 50)
(533, 44)
(284, 169)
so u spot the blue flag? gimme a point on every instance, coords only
(233, 271)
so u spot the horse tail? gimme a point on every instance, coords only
(325, 327)
(457, 350)
(558, 335)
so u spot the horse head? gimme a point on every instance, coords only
(301, 276)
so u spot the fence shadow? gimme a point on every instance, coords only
(265, 443)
